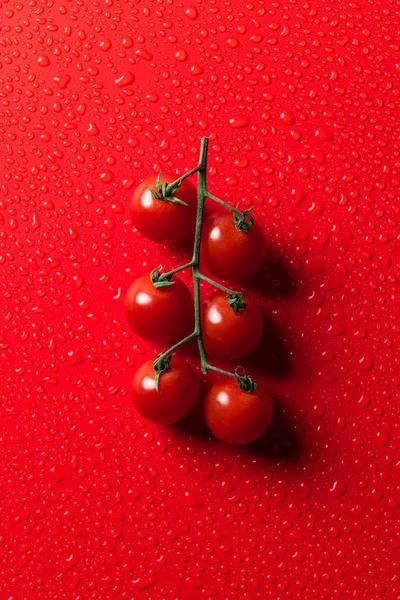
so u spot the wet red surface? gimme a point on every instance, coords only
(300, 102)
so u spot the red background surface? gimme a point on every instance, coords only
(300, 101)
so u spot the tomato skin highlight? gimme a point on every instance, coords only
(229, 253)
(158, 314)
(227, 334)
(178, 392)
(235, 416)
(162, 220)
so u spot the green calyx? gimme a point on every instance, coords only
(247, 384)
(161, 364)
(159, 278)
(243, 220)
(236, 301)
(165, 191)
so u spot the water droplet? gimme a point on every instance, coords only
(145, 54)
(105, 45)
(62, 81)
(239, 122)
(125, 79)
(287, 117)
(191, 13)
(181, 55)
(338, 489)
(43, 61)
(93, 129)
(193, 500)
(324, 134)
(57, 474)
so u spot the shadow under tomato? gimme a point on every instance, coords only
(280, 440)
(195, 423)
(272, 355)
(274, 277)
(184, 248)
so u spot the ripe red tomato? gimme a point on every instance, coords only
(229, 252)
(178, 390)
(228, 334)
(159, 314)
(235, 416)
(162, 220)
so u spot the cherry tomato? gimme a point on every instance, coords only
(159, 314)
(162, 220)
(228, 334)
(229, 252)
(178, 390)
(235, 416)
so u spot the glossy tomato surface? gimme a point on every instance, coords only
(159, 314)
(300, 101)
(236, 416)
(227, 333)
(229, 252)
(163, 220)
(178, 391)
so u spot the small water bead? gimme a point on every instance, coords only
(105, 45)
(125, 79)
(239, 122)
(107, 176)
(181, 55)
(191, 499)
(287, 117)
(144, 54)
(366, 362)
(196, 69)
(127, 42)
(383, 438)
(43, 61)
(324, 134)
(62, 81)
(57, 474)
(93, 129)
(191, 13)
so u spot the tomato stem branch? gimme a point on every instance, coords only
(166, 276)
(202, 194)
(212, 368)
(175, 346)
(225, 204)
(177, 182)
(216, 284)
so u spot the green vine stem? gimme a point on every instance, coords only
(175, 184)
(162, 278)
(244, 382)
(242, 220)
(233, 209)
(216, 284)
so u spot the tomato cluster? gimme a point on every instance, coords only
(159, 308)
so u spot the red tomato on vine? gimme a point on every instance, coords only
(231, 325)
(236, 416)
(158, 314)
(178, 391)
(232, 247)
(164, 214)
